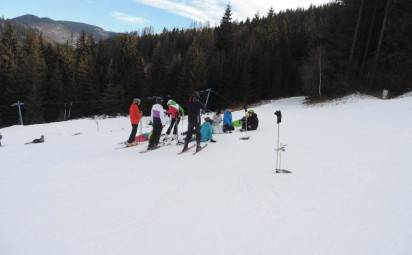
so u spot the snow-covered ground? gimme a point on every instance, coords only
(350, 191)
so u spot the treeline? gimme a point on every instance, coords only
(327, 51)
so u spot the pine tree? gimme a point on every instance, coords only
(85, 89)
(8, 73)
(157, 77)
(34, 111)
(31, 80)
(53, 93)
(224, 39)
(114, 97)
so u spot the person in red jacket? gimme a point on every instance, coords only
(135, 116)
(175, 112)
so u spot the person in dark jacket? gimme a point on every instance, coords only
(250, 121)
(135, 116)
(193, 111)
(39, 140)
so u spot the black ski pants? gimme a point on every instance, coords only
(193, 127)
(175, 123)
(133, 133)
(157, 131)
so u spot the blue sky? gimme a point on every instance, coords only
(133, 15)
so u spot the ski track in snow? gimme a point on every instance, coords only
(350, 191)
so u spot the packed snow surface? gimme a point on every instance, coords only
(350, 191)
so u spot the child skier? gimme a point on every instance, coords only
(227, 122)
(158, 121)
(217, 119)
(175, 112)
(206, 131)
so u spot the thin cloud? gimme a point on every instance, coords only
(128, 18)
(212, 10)
(192, 9)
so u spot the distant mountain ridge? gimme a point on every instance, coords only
(61, 31)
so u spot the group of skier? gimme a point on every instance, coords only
(175, 112)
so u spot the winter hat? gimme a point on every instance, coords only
(159, 100)
(207, 119)
(171, 102)
(196, 94)
(136, 100)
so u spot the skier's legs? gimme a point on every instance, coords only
(198, 136)
(188, 135)
(152, 138)
(171, 126)
(133, 133)
(157, 131)
(176, 126)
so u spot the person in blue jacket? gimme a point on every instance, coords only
(227, 122)
(206, 131)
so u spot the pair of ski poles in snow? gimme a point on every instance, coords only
(280, 147)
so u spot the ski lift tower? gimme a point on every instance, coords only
(19, 105)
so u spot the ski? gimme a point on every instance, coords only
(147, 150)
(201, 148)
(283, 171)
(188, 148)
(126, 146)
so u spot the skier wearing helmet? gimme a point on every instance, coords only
(158, 121)
(175, 112)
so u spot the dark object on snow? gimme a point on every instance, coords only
(40, 140)
(279, 116)
(283, 171)
(250, 121)
(228, 128)
(0, 139)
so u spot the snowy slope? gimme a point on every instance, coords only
(350, 191)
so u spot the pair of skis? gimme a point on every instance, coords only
(192, 146)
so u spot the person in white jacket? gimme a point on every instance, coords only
(217, 119)
(158, 121)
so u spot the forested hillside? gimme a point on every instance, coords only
(327, 51)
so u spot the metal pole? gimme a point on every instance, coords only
(19, 104)
(20, 115)
(65, 112)
(277, 150)
(70, 110)
(207, 99)
(141, 130)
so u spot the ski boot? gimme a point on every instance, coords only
(186, 146)
(198, 147)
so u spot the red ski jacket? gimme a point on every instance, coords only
(173, 112)
(135, 114)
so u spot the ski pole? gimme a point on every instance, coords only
(278, 121)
